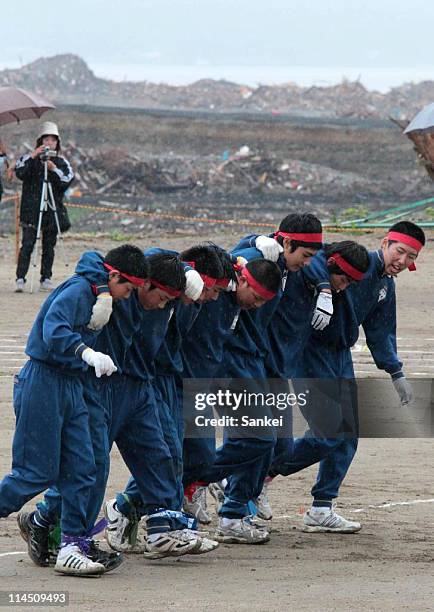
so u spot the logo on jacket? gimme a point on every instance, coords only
(382, 294)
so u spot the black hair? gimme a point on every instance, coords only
(409, 228)
(266, 272)
(205, 259)
(167, 269)
(227, 262)
(129, 259)
(305, 223)
(355, 254)
(39, 141)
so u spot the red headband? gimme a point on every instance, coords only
(408, 240)
(222, 282)
(300, 237)
(138, 282)
(347, 268)
(266, 294)
(208, 281)
(169, 290)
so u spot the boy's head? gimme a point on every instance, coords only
(300, 237)
(206, 262)
(347, 262)
(127, 268)
(166, 281)
(401, 247)
(258, 281)
(49, 136)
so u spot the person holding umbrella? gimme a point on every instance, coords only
(30, 170)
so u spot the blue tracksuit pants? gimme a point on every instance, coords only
(332, 417)
(51, 445)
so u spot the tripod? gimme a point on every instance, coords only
(47, 201)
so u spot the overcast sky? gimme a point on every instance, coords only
(321, 33)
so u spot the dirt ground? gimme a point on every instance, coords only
(387, 566)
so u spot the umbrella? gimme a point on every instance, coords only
(18, 104)
(423, 121)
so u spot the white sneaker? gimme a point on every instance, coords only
(196, 504)
(46, 285)
(240, 531)
(122, 533)
(19, 285)
(73, 562)
(172, 544)
(206, 544)
(262, 503)
(328, 522)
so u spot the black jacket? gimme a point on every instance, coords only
(31, 172)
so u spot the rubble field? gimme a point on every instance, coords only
(224, 167)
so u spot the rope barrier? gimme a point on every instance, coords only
(244, 223)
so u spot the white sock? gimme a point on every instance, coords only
(320, 510)
(228, 521)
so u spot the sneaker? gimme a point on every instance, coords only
(110, 560)
(46, 285)
(217, 490)
(36, 538)
(262, 503)
(19, 285)
(328, 522)
(240, 531)
(122, 532)
(195, 503)
(71, 560)
(206, 544)
(172, 544)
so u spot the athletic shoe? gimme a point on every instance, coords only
(110, 560)
(217, 490)
(195, 503)
(36, 538)
(73, 562)
(240, 531)
(172, 544)
(328, 522)
(262, 503)
(122, 532)
(46, 285)
(19, 285)
(206, 544)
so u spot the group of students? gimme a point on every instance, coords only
(108, 355)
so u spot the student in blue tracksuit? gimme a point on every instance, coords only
(331, 271)
(215, 269)
(293, 245)
(135, 427)
(203, 355)
(52, 443)
(111, 413)
(372, 304)
(290, 325)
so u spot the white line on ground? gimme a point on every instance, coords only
(393, 504)
(18, 552)
(370, 507)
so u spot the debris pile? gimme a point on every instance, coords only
(67, 79)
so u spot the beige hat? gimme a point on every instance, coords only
(48, 128)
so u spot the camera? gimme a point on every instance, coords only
(47, 153)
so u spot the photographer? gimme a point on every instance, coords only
(30, 170)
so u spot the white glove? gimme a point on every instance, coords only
(101, 311)
(101, 362)
(269, 247)
(404, 390)
(194, 284)
(323, 311)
